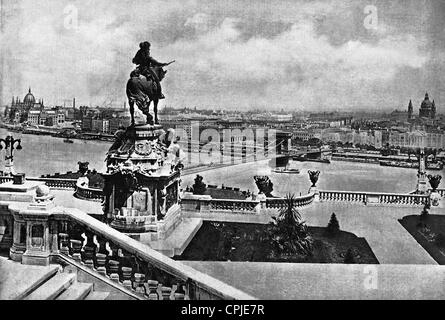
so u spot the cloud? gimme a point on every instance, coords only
(291, 63)
(281, 54)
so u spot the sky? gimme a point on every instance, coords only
(293, 55)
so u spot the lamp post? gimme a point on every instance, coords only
(9, 143)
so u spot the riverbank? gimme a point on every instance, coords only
(57, 132)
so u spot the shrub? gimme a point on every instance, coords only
(333, 225)
(288, 235)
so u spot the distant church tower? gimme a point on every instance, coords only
(427, 108)
(410, 110)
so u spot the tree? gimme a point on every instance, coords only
(333, 226)
(288, 234)
(349, 257)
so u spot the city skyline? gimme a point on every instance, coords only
(283, 55)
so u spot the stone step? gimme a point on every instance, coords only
(17, 281)
(53, 287)
(97, 295)
(77, 291)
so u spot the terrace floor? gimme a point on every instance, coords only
(286, 281)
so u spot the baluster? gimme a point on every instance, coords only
(126, 276)
(114, 251)
(152, 286)
(76, 248)
(113, 269)
(89, 250)
(139, 280)
(102, 245)
(166, 293)
(101, 261)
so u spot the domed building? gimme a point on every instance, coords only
(29, 99)
(19, 110)
(427, 108)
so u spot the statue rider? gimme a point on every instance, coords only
(145, 63)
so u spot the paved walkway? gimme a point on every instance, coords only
(66, 199)
(278, 281)
(379, 225)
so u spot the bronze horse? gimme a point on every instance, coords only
(143, 91)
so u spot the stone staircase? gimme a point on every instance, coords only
(56, 285)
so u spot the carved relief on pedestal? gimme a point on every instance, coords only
(37, 236)
(139, 174)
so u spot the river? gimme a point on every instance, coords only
(48, 155)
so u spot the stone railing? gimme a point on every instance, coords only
(136, 266)
(53, 183)
(278, 203)
(87, 193)
(205, 204)
(70, 236)
(238, 206)
(57, 183)
(4, 179)
(342, 196)
(374, 197)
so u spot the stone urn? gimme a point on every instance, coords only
(434, 195)
(434, 181)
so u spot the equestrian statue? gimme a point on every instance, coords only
(144, 85)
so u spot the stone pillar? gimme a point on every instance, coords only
(39, 240)
(19, 239)
(38, 244)
(316, 192)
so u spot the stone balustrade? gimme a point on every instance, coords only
(4, 179)
(374, 197)
(234, 206)
(205, 204)
(53, 183)
(342, 196)
(278, 203)
(87, 193)
(45, 233)
(56, 183)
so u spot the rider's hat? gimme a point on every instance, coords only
(144, 45)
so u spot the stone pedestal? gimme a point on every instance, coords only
(18, 247)
(142, 181)
(316, 192)
(33, 242)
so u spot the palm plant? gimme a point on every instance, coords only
(288, 234)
